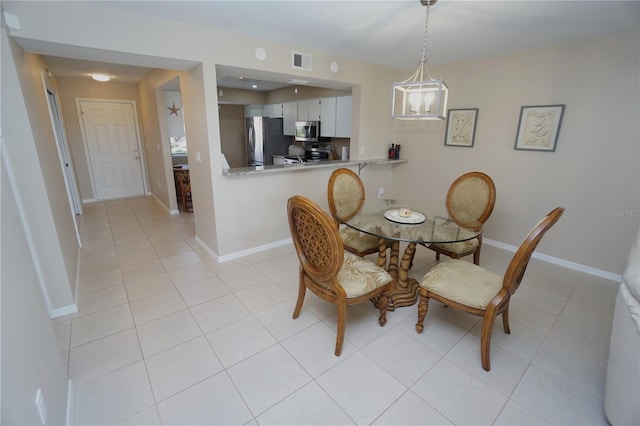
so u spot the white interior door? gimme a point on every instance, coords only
(114, 152)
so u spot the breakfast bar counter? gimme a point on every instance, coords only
(313, 164)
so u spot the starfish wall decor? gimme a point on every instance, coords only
(173, 109)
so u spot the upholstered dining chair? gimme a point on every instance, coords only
(346, 195)
(330, 272)
(478, 291)
(470, 202)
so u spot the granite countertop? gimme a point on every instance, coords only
(313, 164)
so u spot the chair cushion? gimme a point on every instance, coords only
(463, 282)
(468, 246)
(359, 276)
(358, 240)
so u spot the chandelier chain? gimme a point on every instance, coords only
(424, 42)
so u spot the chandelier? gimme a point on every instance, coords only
(420, 97)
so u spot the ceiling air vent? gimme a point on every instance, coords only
(300, 61)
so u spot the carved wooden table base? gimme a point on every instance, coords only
(404, 290)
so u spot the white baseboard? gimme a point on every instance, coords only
(76, 293)
(242, 253)
(557, 261)
(508, 247)
(65, 310)
(71, 405)
(89, 200)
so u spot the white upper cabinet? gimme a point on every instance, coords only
(303, 110)
(273, 110)
(334, 115)
(343, 116)
(327, 117)
(253, 110)
(314, 109)
(289, 118)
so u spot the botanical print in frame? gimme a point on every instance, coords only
(538, 127)
(461, 127)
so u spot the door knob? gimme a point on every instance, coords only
(136, 157)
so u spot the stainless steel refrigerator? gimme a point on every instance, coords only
(264, 140)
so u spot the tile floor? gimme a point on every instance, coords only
(166, 335)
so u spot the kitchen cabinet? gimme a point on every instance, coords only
(327, 117)
(334, 115)
(343, 116)
(309, 110)
(253, 110)
(273, 110)
(289, 118)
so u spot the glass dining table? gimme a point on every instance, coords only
(398, 221)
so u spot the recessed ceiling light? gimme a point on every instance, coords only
(101, 77)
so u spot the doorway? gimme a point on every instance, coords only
(174, 113)
(112, 145)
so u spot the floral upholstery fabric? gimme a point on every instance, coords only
(359, 276)
(358, 240)
(458, 248)
(346, 195)
(469, 200)
(463, 282)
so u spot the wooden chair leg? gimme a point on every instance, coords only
(505, 320)
(476, 254)
(485, 339)
(302, 290)
(342, 319)
(384, 303)
(437, 255)
(423, 307)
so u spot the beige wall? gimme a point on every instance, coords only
(32, 152)
(31, 356)
(31, 292)
(594, 170)
(232, 134)
(287, 94)
(72, 88)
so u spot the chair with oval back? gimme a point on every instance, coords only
(470, 202)
(478, 291)
(330, 272)
(346, 196)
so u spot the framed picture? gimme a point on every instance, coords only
(538, 127)
(461, 127)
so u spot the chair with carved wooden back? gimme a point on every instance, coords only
(330, 272)
(346, 195)
(470, 202)
(478, 291)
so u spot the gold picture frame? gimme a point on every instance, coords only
(538, 127)
(461, 127)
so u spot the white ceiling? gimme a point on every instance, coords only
(389, 33)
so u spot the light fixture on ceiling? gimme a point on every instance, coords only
(420, 97)
(101, 77)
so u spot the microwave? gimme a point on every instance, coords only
(307, 131)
